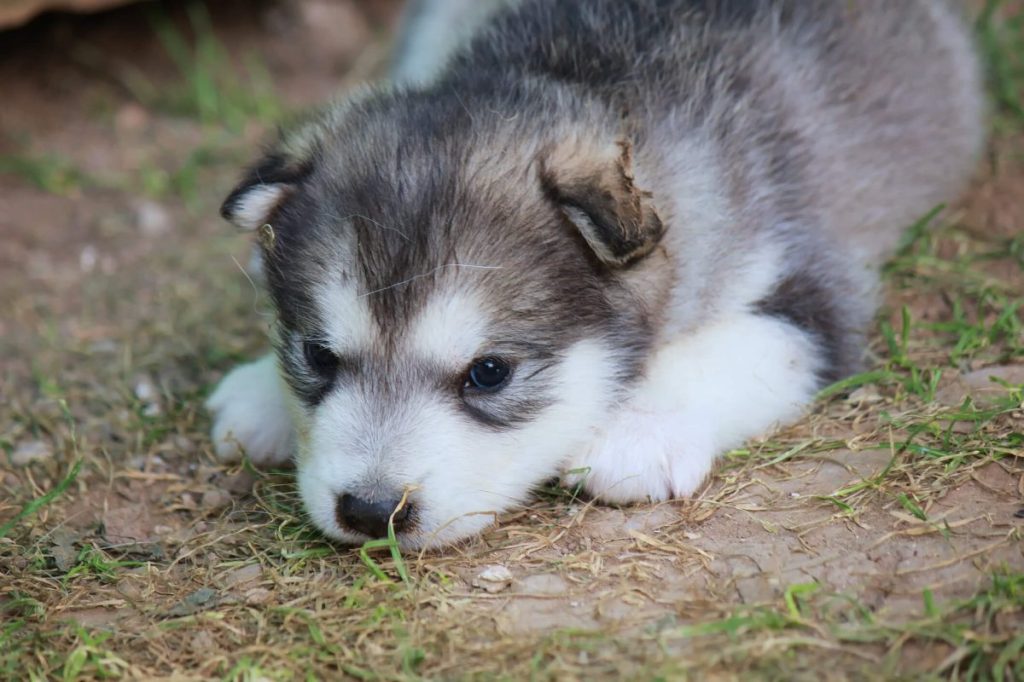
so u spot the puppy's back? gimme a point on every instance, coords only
(894, 109)
(875, 107)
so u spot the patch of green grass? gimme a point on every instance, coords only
(876, 482)
(48, 172)
(1002, 45)
(187, 182)
(48, 497)
(556, 493)
(18, 614)
(901, 367)
(295, 541)
(38, 503)
(212, 89)
(91, 659)
(853, 382)
(92, 562)
(916, 380)
(246, 669)
(912, 506)
(941, 436)
(963, 268)
(984, 322)
(741, 623)
(972, 333)
(979, 631)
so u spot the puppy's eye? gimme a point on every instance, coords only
(320, 358)
(488, 374)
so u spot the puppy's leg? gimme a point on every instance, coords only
(250, 412)
(702, 394)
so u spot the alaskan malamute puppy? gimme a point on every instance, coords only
(602, 239)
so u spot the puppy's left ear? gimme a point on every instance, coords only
(593, 187)
(253, 202)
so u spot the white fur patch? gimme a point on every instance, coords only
(251, 210)
(451, 328)
(703, 394)
(251, 415)
(346, 317)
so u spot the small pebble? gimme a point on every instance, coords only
(143, 462)
(88, 258)
(103, 346)
(31, 451)
(493, 579)
(256, 596)
(203, 641)
(244, 574)
(152, 219)
(145, 390)
(215, 499)
(148, 394)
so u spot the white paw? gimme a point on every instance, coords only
(250, 415)
(645, 456)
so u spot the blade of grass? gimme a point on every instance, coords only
(391, 544)
(793, 593)
(850, 383)
(40, 502)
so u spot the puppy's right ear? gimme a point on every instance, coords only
(261, 192)
(592, 184)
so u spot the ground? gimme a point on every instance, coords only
(881, 537)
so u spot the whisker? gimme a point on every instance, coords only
(378, 224)
(428, 274)
(255, 292)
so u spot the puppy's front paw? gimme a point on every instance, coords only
(645, 456)
(251, 416)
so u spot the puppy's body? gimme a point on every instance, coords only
(663, 218)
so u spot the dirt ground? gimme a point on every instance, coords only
(880, 538)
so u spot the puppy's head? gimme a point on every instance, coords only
(461, 296)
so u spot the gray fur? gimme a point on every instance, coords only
(628, 170)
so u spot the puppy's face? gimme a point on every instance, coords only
(455, 313)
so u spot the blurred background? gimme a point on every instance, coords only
(122, 127)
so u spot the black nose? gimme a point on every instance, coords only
(371, 518)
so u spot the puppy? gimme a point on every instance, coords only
(603, 239)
